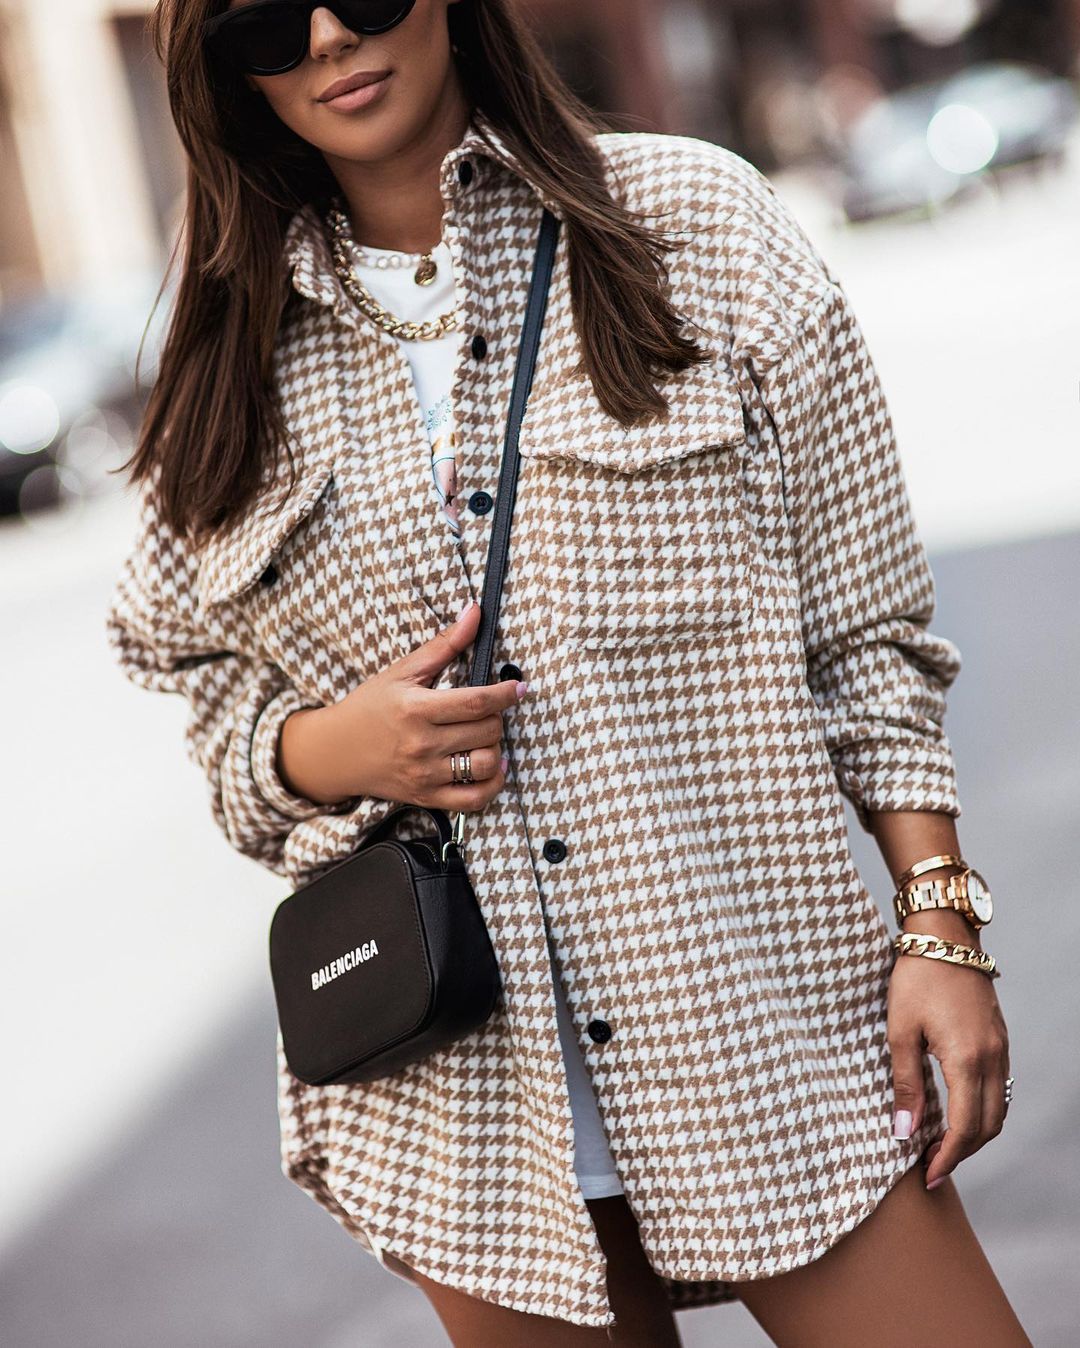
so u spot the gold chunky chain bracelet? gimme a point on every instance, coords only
(952, 952)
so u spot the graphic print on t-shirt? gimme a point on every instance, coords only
(440, 428)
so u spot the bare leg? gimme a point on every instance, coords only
(637, 1296)
(912, 1273)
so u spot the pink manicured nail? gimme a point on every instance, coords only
(522, 688)
(504, 762)
(902, 1124)
(465, 610)
(934, 1183)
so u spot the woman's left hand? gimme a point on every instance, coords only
(954, 1013)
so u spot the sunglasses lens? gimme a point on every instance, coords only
(271, 36)
(268, 37)
(371, 16)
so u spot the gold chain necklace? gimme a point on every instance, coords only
(365, 301)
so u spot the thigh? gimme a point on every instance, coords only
(912, 1272)
(638, 1298)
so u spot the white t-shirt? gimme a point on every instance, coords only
(433, 363)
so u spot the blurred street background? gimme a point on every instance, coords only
(931, 148)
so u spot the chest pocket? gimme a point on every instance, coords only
(286, 577)
(258, 544)
(642, 534)
(303, 573)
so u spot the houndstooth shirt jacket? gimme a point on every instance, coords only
(723, 619)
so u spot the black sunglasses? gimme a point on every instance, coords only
(270, 37)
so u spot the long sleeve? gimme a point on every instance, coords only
(237, 702)
(877, 674)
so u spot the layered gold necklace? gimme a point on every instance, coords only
(341, 243)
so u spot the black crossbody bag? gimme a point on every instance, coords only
(385, 957)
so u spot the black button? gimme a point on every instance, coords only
(480, 502)
(479, 346)
(554, 850)
(599, 1031)
(509, 671)
(269, 576)
(464, 172)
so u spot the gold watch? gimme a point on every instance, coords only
(966, 891)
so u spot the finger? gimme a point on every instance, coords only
(964, 1112)
(425, 660)
(994, 1107)
(1008, 1073)
(452, 737)
(483, 763)
(466, 798)
(993, 1097)
(908, 1085)
(445, 705)
(931, 1151)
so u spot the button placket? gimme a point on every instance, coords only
(458, 188)
(480, 464)
(485, 416)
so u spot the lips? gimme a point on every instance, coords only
(350, 82)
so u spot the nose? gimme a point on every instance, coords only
(329, 36)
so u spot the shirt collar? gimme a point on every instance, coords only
(306, 248)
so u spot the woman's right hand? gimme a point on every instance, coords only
(392, 736)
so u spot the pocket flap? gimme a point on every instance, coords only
(565, 420)
(235, 559)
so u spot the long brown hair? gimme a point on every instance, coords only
(213, 413)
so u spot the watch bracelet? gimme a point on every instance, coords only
(933, 896)
(908, 909)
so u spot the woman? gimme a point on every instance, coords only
(706, 1078)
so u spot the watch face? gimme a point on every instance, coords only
(978, 893)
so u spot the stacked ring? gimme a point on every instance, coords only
(465, 759)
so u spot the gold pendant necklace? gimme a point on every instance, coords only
(426, 271)
(365, 301)
(383, 259)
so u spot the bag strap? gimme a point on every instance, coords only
(386, 825)
(495, 571)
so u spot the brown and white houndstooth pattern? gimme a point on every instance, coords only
(723, 620)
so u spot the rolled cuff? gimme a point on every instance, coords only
(264, 747)
(898, 773)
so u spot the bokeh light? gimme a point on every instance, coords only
(961, 139)
(29, 417)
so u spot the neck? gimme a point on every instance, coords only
(395, 202)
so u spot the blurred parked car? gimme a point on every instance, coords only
(69, 402)
(920, 147)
